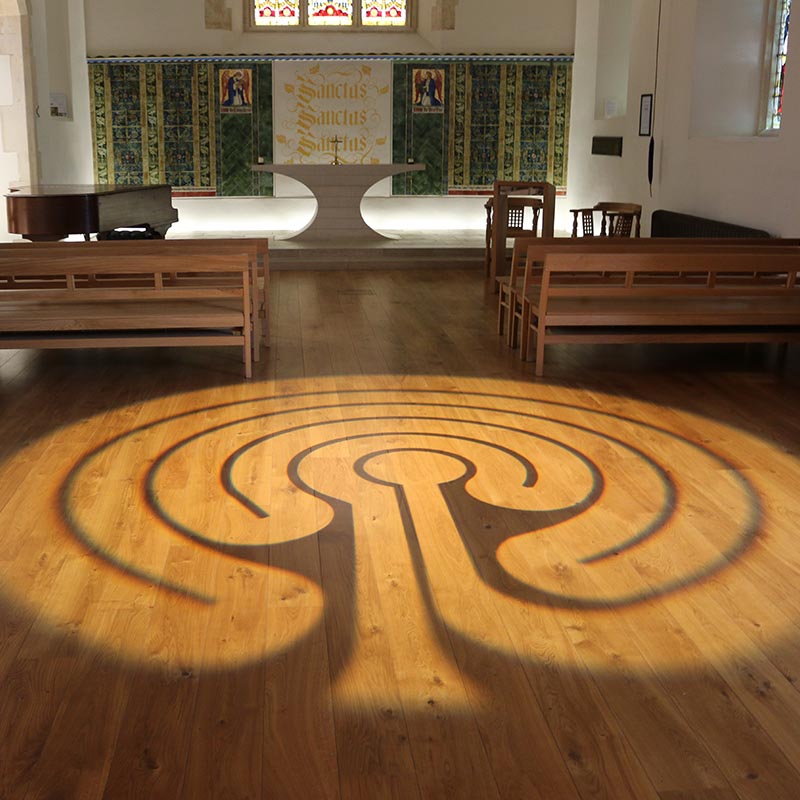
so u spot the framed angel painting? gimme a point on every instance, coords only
(428, 90)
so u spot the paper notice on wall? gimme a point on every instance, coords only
(59, 104)
(326, 111)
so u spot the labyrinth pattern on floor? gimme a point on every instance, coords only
(310, 503)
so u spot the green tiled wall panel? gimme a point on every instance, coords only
(262, 101)
(401, 184)
(160, 122)
(420, 138)
(235, 156)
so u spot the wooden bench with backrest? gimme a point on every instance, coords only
(256, 249)
(528, 257)
(659, 296)
(87, 297)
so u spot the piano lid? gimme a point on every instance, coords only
(71, 190)
(53, 211)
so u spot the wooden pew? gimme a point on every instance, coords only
(529, 254)
(80, 297)
(610, 241)
(257, 250)
(656, 296)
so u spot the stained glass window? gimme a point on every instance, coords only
(330, 12)
(345, 14)
(383, 12)
(277, 12)
(775, 110)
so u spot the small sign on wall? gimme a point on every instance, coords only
(606, 145)
(59, 105)
(645, 115)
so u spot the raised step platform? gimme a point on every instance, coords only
(377, 258)
(425, 250)
(442, 250)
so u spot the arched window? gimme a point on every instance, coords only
(778, 64)
(340, 14)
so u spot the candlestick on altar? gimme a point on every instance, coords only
(336, 141)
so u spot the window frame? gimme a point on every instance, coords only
(303, 26)
(771, 50)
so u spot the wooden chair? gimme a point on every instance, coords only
(510, 291)
(518, 222)
(618, 219)
(509, 286)
(537, 195)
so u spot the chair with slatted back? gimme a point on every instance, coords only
(515, 218)
(509, 288)
(522, 223)
(524, 203)
(617, 219)
(523, 216)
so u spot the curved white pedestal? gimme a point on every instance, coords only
(338, 189)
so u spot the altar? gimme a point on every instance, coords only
(339, 190)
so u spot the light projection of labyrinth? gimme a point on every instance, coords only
(406, 520)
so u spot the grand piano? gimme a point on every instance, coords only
(51, 212)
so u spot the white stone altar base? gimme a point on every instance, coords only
(339, 190)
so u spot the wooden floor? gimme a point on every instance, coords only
(395, 565)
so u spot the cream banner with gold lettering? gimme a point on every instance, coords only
(324, 110)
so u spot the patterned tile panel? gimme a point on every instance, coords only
(262, 104)
(236, 178)
(162, 121)
(178, 123)
(505, 120)
(126, 125)
(425, 136)
(401, 119)
(152, 124)
(458, 125)
(98, 87)
(154, 173)
(205, 156)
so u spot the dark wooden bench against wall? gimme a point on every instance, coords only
(674, 225)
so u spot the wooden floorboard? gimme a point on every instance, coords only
(397, 565)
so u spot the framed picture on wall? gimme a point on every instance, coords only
(235, 86)
(645, 115)
(428, 91)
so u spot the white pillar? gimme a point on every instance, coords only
(18, 151)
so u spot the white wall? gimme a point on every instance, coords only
(18, 164)
(156, 27)
(728, 67)
(749, 180)
(613, 61)
(59, 45)
(593, 178)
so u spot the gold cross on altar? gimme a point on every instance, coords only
(336, 141)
